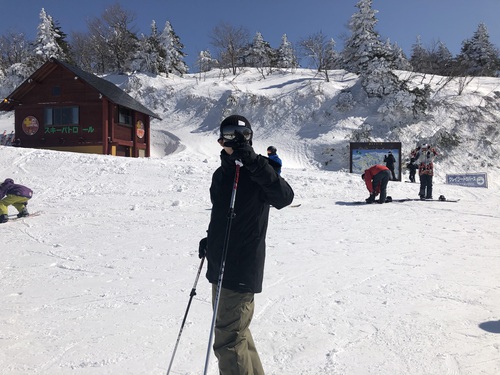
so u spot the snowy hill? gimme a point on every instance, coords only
(311, 123)
(99, 282)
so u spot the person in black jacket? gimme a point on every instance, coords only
(259, 186)
(389, 160)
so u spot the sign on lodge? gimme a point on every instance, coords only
(61, 107)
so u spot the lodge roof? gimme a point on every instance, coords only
(106, 88)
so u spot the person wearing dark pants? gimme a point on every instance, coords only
(424, 156)
(258, 187)
(390, 160)
(376, 179)
(412, 167)
(425, 186)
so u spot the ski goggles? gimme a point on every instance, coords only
(235, 133)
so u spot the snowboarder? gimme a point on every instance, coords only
(424, 157)
(15, 195)
(273, 156)
(376, 179)
(389, 160)
(259, 186)
(412, 167)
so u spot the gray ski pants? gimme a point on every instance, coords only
(233, 343)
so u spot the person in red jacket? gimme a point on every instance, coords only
(376, 180)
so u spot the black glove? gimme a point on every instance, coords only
(244, 153)
(202, 249)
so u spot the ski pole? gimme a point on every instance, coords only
(191, 295)
(239, 164)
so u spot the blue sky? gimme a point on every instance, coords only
(450, 21)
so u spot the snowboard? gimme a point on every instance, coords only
(436, 200)
(358, 203)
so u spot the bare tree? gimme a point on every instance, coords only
(113, 38)
(14, 48)
(83, 52)
(229, 41)
(320, 50)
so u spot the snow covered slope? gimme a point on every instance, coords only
(99, 282)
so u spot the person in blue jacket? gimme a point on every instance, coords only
(273, 156)
(16, 195)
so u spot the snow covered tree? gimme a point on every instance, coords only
(14, 48)
(478, 56)
(286, 58)
(14, 75)
(397, 57)
(363, 45)
(172, 47)
(149, 57)
(145, 58)
(442, 60)
(50, 40)
(205, 62)
(259, 54)
(17, 61)
(419, 59)
(229, 42)
(378, 80)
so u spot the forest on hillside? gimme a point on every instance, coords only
(112, 45)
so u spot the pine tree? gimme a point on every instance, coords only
(259, 54)
(286, 58)
(364, 43)
(49, 40)
(174, 56)
(149, 56)
(398, 57)
(478, 56)
(205, 62)
(443, 60)
(419, 59)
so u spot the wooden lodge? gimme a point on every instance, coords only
(61, 107)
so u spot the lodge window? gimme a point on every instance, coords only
(56, 91)
(61, 116)
(125, 116)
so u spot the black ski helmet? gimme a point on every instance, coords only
(236, 124)
(272, 150)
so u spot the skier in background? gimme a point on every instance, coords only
(272, 155)
(424, 157)
(389, 160)
(376, 179)
(15, 195)
(412, 167)
(259, 186)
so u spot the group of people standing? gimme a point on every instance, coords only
(377, 177)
